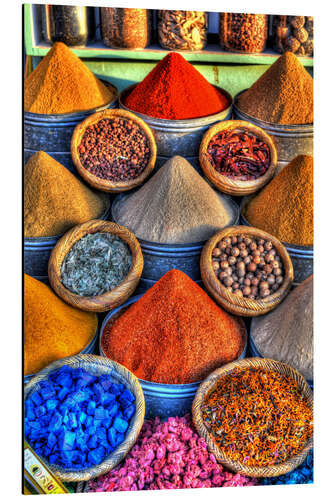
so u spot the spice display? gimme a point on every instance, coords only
(70, 25)
(286, 334)
(52, 329)
(182, 29)
(168, 455)
(55, 200)
(283, 94)
(175, 206)
(125, 28)
(294, 34)
(302, 475)
(243, 32)
(62, 83)
(174, 334)
(115, 149)
(76, 419)
(239, 155)
(248, 266)
(258, 417)
(284, 208)
(96, 264)
(175, 90)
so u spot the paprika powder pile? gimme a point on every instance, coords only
(52, 329)
(284, 207)
(283, 94)
(55, 200)
(62, 83)
(174, 334)
(175, 90)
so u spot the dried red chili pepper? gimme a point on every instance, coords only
(239, 155)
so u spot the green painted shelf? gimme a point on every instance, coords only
(212, 55)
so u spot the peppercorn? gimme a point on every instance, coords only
(253, 276)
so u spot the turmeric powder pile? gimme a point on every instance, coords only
(52, 328)
(284, 208)
(62, 83)
(55, 200)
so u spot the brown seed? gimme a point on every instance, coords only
(275, 264)
(251, 267)
(222, 245)
(268, 245)
(247, 241)
(216, 252)
(252, 296)
(250, 276)
(255, 281)
(255, 253)
(228, 281)
(242, 246)
(224, 264)
(238, 292)
(227, 240)
(232, 260)
(268, 269)
(247, 260)
(269, 257)
(235, 251)
(216, 265)
(235, 285)
(277, 272)
(261, 241)
(279, 280)
(253, 247)
(246, 290)
(234, 240)
(240, 265)
(271, 279)
(261, 248)
(264, 292)
(222, 275)
(256, 259)
(254, 290)
(243, 253)
(274, 287)
(263, 284)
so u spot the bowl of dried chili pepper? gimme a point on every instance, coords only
(113, 150)
(256, 416)
(246, 270)
(237, 157)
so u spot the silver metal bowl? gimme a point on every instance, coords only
(179, 137)
(289, 140)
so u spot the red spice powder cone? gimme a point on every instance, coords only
(175, 90)
(174, 334)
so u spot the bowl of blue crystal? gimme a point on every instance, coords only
(82, 415)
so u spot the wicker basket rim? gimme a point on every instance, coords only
(86, 361)
(208, 384)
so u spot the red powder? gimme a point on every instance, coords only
(174, 334)
(175, 90)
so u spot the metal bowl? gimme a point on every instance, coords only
(179, 137)
(159, 258)
(289, 140)
(162, 400)
(301, 256)
(53, 133)
(37, 252)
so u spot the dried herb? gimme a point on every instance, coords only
(239, 155)
(96, 264)
(258, 417)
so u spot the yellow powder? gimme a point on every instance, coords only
(62, 83)
(55, 200)
(52, 329)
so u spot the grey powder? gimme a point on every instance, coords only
(175, 206)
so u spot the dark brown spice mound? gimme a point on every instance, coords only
(283, 94)
(114, 149)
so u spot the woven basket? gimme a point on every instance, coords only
(223, 183)
(114, 297)
(105, 184)
(97, 366)
(240, 305)
(236, 466)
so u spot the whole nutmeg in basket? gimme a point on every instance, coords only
(248, 266)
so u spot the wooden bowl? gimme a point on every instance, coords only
(222, 182)
(237, 466)
(105, 184)
(240, 305)
(97, 366)
(114, 297)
